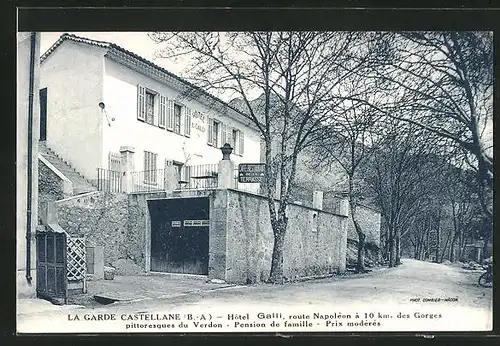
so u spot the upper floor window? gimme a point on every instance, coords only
(220, 134)
(237, 141)
(147, 105)
(150, 107)
(213, 132)
(177, 118)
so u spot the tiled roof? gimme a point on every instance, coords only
(116, 48)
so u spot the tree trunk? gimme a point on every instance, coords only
(392, 248)
(427, 242)
(445, 247)
(438, 241)
(276, 275)
(398, 247)
(360, 267)
(452, 256)
(387, 245)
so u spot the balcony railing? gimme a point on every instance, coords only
(195, 177)
(148, 181)
(199, 177)
(109, 181)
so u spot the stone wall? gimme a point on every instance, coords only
(101, 218)
(139, 227)
(370, 222)
(50, 185)
(315, 243)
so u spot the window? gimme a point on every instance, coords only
(183, 172)
(214, 128)
(177, 118)
(234, 141)
(114, 160)
(215, 133)
(237, 142)
(150, 167)
(178, 168)
(150, 107)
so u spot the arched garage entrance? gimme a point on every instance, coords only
(179, 235)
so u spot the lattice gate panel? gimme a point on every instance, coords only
(76, 261)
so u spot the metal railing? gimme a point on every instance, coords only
(109, 181)
(199, 177)
(195, 177)
(148, 181)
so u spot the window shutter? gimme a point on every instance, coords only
(223, 133)
(210, 131)
(170, 119)
(231, 141)
(141, 103)
(187, 122)
(242, 141)
(163, 112)
(146, 161)
(186, 173)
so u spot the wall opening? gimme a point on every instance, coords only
(179, 235)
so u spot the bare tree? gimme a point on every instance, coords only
(294, 72)
(400, 174)
(349, 145)
(444, 81)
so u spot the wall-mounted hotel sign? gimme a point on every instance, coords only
(198, 121)
(251, 172)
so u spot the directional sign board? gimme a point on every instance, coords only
(251, 172)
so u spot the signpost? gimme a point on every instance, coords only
(251, 172)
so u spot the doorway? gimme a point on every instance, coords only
(179, 235)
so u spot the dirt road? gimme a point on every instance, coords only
(413, 288)
(401, 285)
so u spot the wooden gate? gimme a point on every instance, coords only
(51, 271)
(61, 266)
(179, 235)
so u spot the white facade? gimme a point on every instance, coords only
(80, 73)
(73, 76)
(121, 104)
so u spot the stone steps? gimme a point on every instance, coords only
(80, 184)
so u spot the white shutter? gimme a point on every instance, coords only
(241, 138)
(230, 139)
(170, 119)
(187, 173)
(163, 112)
(210, 130)
(187, 122)
(146, 160)
(141, 103)
(223, 133)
